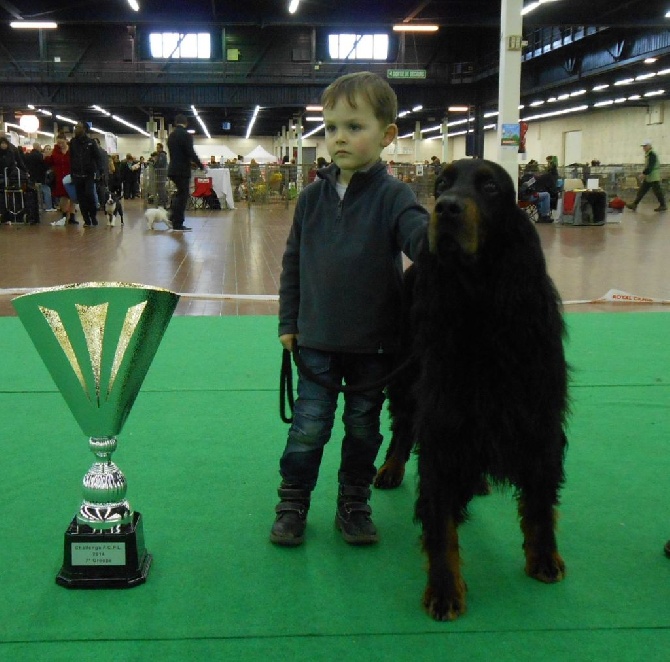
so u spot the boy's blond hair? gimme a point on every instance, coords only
(366, 85)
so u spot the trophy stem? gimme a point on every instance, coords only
(104, 488)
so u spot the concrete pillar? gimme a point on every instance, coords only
(509, 84)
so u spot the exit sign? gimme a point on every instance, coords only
(405, 73)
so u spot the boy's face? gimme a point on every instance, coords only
(354, 136)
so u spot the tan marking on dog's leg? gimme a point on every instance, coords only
(444, 597)
(543, 562)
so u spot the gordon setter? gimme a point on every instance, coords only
(486, 396)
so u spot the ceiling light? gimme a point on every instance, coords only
(253, 120)
(33, 25)
(597, 88)
(116, 118)
(133, 5)
(645, 76)
(314, 118)
(458, 109)
(577, 93)
(620, 100)
(609, 102)
(624, 81)
(293, 6)
(202, 124)
(29, 123)
(650, 60)
(534, 104)
(416, 109)
(634, 97)
(663, 72)
(655, 93)
(313, 131)
(415, 27)
(313, 109)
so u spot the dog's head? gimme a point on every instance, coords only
(472, 197)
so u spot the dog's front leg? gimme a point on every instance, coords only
(444, 597)
(538, 521)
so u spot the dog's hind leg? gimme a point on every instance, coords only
(392, 472)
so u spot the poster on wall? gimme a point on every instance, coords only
(510, 135)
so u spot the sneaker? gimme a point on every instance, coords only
(60, 222)
(661, 208)
(630, 206)
(183, 228)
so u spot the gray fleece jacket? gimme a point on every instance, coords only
(340, 287)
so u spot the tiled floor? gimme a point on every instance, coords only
(237, 253)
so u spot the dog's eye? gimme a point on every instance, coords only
(441, 185)
(490, 186)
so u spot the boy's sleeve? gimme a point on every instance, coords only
(412, 221)
(289, 280)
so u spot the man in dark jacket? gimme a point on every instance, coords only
(85, 163)
(37, 169)
(182, 155)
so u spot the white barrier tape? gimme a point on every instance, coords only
(619, 296)
(16, 291)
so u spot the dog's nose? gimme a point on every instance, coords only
(449, 205)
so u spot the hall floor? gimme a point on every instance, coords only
(230, 263)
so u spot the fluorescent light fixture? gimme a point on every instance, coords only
(563, 97)
(315, 118)
(202, 124)
(634, 97)
(493, 113)
(33, 25)
(403, 113)
(667, 14)
(565, 111)
(416, 109)
(253, 121)
(313, 109)
(597, 88)
(66, 119)
(458, 109)
(620, 100)
(577, 93)
(529, 8)
(552, 100)
(650, 60)
(624, 81)
(600, 104)
(431, 129)
(645, 76)
(655, 93)
(535, 104)
(313, 131)
(101, 110)
(120, 120)
(293, 6)
(663, 72)
(488, 127)
(133, 5)
(415, 27)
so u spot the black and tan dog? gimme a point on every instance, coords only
(487, 395)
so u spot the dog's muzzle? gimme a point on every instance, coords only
(456, 218)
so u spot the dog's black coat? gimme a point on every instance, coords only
(487, 395)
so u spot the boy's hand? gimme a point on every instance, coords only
(287, 340)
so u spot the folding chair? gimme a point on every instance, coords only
(202, 190)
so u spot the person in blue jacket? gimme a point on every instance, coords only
(340, 299)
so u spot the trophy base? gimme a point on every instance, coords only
(104, 559)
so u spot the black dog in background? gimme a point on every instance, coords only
(113, 208)
(487, 395)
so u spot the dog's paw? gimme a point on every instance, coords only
(548, 569)
(390, 475)
(442, 605)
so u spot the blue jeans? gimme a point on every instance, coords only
(314, 414)
(543, 202)
(47, 202)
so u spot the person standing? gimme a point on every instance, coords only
(59, 160)
(340, 295)
(161, 168)
(652, 179)
(182, 156)
(85, 164)
(37, 169)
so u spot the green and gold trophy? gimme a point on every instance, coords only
(97, 340)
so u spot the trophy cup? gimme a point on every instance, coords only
(97, 340)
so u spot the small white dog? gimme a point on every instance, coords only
(157, 215)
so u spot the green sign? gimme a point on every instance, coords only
(406, 73)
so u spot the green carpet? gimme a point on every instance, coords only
(200, 452)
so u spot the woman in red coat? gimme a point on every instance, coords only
(59, 160)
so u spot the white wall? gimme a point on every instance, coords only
(609, 135)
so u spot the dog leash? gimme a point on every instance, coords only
(286, 380)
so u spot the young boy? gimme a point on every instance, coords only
(339, 298)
